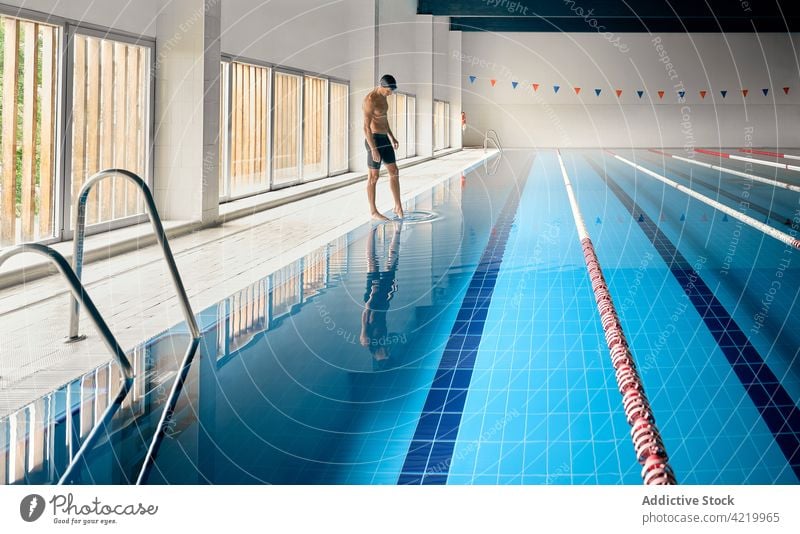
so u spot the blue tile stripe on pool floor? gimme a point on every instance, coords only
(773, 402)
(431, 450)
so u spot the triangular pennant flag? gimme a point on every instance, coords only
(744, 92)
(597, 221)
(640, 93)
(514, 84)
(660, 95)
(723, 93)
(493, 82)
(765, 91)
(703, 94)
(786, 90)
(619, 92)
(535, 86)
(725, 218)
(472, 79)
(641, 218)
(681, 94)
(577, 90)
(683, 217)
(556, 88)
(597, 92)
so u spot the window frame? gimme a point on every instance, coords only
(62, 135)
(414, 122)
(346, 83)
(59, 147)
(90, 30)
(275, 68)
(327, 128)
(405, 118)
(225, 163)
(445, 126)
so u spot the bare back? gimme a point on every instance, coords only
(376, 108)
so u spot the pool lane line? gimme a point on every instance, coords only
(647, 442)
(770, 398)
(746, 159)
(754, 177)
(430, 453)
(783, 237)
(786, 221)
(768, 153)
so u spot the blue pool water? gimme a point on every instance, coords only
(464, 347)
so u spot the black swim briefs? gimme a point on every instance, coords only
(385, 150)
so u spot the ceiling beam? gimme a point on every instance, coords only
(611, 8)
(623, 25)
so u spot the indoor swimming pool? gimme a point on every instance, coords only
(464, 346)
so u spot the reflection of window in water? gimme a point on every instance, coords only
(440, 193)
(241, 316)
(28, 437)
(338, 258)
(286, 290)
(381, 286)
(314, 272)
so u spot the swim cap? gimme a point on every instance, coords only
(387, 80)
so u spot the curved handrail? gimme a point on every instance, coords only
(79, 224)
(491, 170)
(495, 140)
(496, 136)
(82, 297)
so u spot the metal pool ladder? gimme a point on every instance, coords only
(161, 236)
(80, 235)
(491, 135)
(81, 297)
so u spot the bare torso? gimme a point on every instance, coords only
(376, 106)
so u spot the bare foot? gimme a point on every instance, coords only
(398, 210)
(376, 216)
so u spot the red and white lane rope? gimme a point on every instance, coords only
(757, 161)
(768, 153)
(647, 442)
(755, 178)
(783, 237)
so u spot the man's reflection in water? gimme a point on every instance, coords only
(381, 287)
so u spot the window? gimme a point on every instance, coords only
(339, 140)
(441, 125)
(286, 148)
(278, 128)
(244, 107)
(411, 126)
(110, 123)
(315, 127)
(402, 108)
(400, 125)
(447, 124)
(28, 112)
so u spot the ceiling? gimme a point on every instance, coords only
(655, 16)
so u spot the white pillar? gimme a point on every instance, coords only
(187, 110)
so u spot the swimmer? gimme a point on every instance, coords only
(381, 144)
(381, 287)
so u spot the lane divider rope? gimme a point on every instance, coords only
(768, 153)
(756, 178)
(647, 442)
(758, 225)
(746, 159)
